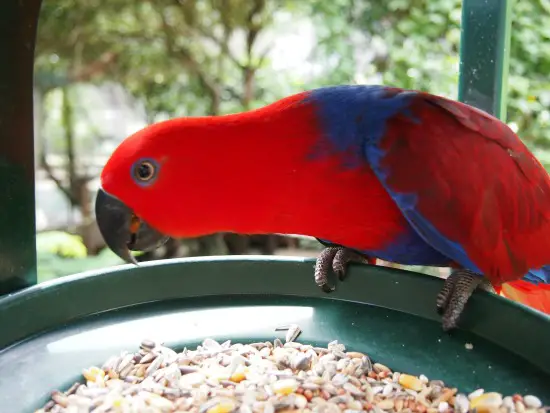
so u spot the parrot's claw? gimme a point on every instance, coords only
(454, 295)
(336, 258)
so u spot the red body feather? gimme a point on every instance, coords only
(534, 296)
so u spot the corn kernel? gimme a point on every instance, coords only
(410, 382)
(222, 407)
(118, 402)
(238, 376)
(94, 374)
(285, 386)
(486, 402)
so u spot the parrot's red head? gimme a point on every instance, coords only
(191, 177)
(137, 188)
(169, 179)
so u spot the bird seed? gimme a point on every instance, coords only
(266, 377)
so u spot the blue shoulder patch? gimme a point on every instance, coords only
(351, 115)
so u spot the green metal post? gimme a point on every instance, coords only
(18, 21)
(485, 54)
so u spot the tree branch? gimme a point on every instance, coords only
(186, 57)
(249, 70)
(51, 175)
(200, 31)
(263, 55)
(92, 69)
(253, 28)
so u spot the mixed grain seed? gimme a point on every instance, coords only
(266, 377)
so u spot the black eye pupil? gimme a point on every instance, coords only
(144, 171)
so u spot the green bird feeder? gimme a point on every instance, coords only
(50, 332)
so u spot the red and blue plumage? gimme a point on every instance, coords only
(468, 187)
(403, 176)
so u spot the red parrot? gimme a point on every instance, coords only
(370, 171)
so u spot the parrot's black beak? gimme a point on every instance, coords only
(122, 230)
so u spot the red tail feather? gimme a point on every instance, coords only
(535, 296)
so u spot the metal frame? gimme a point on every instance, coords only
(485, 54)
(18, 21)
(483, 76)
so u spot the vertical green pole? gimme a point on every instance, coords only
(18, 22)
(485, 54)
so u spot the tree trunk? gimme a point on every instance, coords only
(67, 121)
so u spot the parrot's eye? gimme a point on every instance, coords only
(144, 171)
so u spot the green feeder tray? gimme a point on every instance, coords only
(50, 332)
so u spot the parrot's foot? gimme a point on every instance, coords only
(454, 295)
(336, 258)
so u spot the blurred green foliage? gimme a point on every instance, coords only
(52, 266)
(60, 243)
(179, 56)
(212, 56)
(60, 253)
